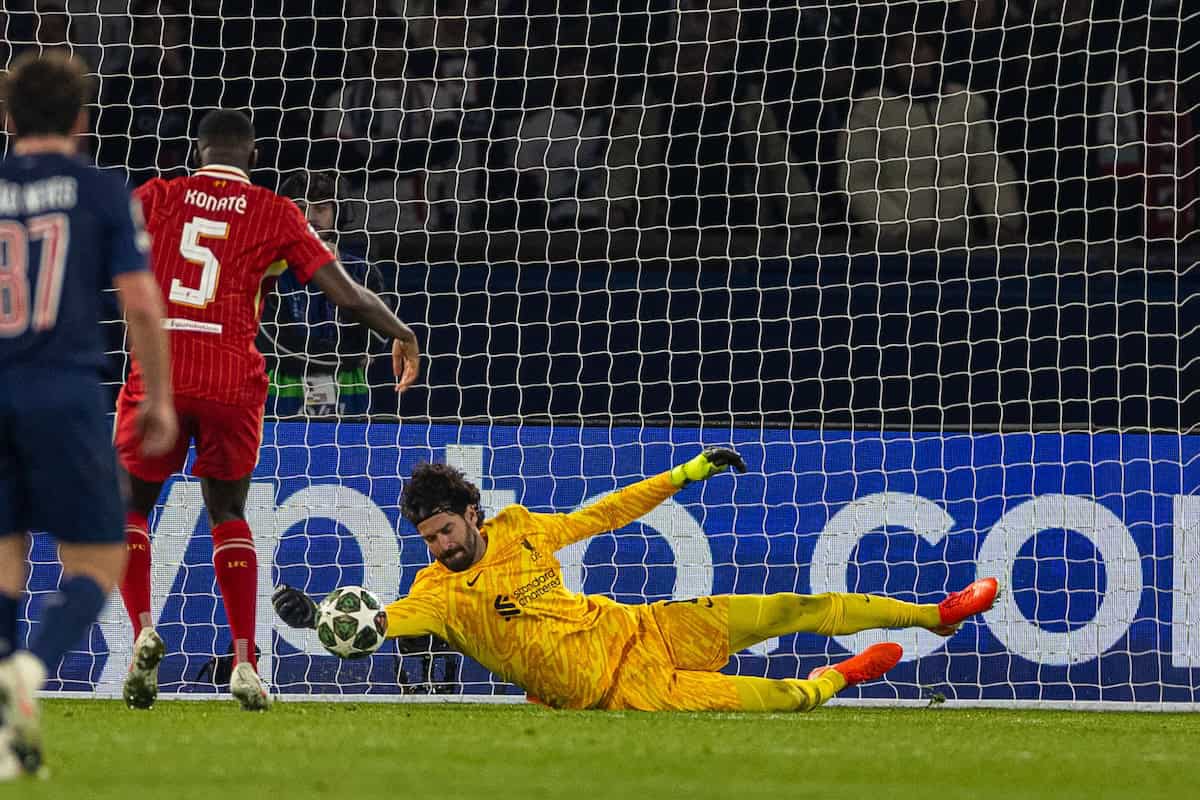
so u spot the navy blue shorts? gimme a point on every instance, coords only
(58, 471)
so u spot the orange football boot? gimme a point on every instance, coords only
(867, 665)
(975, 599)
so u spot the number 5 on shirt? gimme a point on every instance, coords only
(196, 253)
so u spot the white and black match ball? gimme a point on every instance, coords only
(351, 622)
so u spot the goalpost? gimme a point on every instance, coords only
(931, 270)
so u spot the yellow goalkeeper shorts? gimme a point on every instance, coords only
(672, 664)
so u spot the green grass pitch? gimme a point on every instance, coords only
(354, 751)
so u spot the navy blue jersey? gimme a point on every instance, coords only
(66, 230)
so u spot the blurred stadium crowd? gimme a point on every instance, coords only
(875, 125)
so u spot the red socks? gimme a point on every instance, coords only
(236, 565)
(135, 587)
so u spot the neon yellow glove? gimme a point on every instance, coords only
(712, 461)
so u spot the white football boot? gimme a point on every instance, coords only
(21, 675)
(141, 684)
(248, 689)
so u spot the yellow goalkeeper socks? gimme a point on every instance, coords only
(789, 694)
(851, 613)
(753, 618)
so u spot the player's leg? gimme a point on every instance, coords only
(90, 571)
(146, 477)
(762, 694)
(227, 442)
(135, 587)
(696, 641)
(703, 632)
(19, 749)
(21, 675)
(234, 559)
(785, 694)
(17, 706)
(236, 564)
(694, 690)
(65, 441)
(754, 618)
(13, 541)
(13, 549)
(140, 689)
(674, 666)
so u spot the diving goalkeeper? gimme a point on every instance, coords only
(495, 592)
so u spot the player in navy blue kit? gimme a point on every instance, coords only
(67, 232)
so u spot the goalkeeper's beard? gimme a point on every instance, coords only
(461, 558)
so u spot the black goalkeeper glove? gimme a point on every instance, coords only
(294, 607)
(710, 462)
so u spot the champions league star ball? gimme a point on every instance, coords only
(351, 622)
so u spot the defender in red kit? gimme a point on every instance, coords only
(217, 238)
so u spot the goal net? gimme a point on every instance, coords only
(930, 268)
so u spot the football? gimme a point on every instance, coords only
(351, 622)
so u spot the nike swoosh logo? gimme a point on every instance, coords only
(473, 580)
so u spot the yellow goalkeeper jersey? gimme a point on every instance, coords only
(511, 612)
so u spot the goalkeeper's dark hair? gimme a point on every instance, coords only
(437, 488)
(227, 130)
(44, 93)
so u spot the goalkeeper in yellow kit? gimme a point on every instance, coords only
(495, 593)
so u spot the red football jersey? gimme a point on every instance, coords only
(216, 239)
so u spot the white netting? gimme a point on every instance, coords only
(929, 267)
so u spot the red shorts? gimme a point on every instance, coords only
(227, 440)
